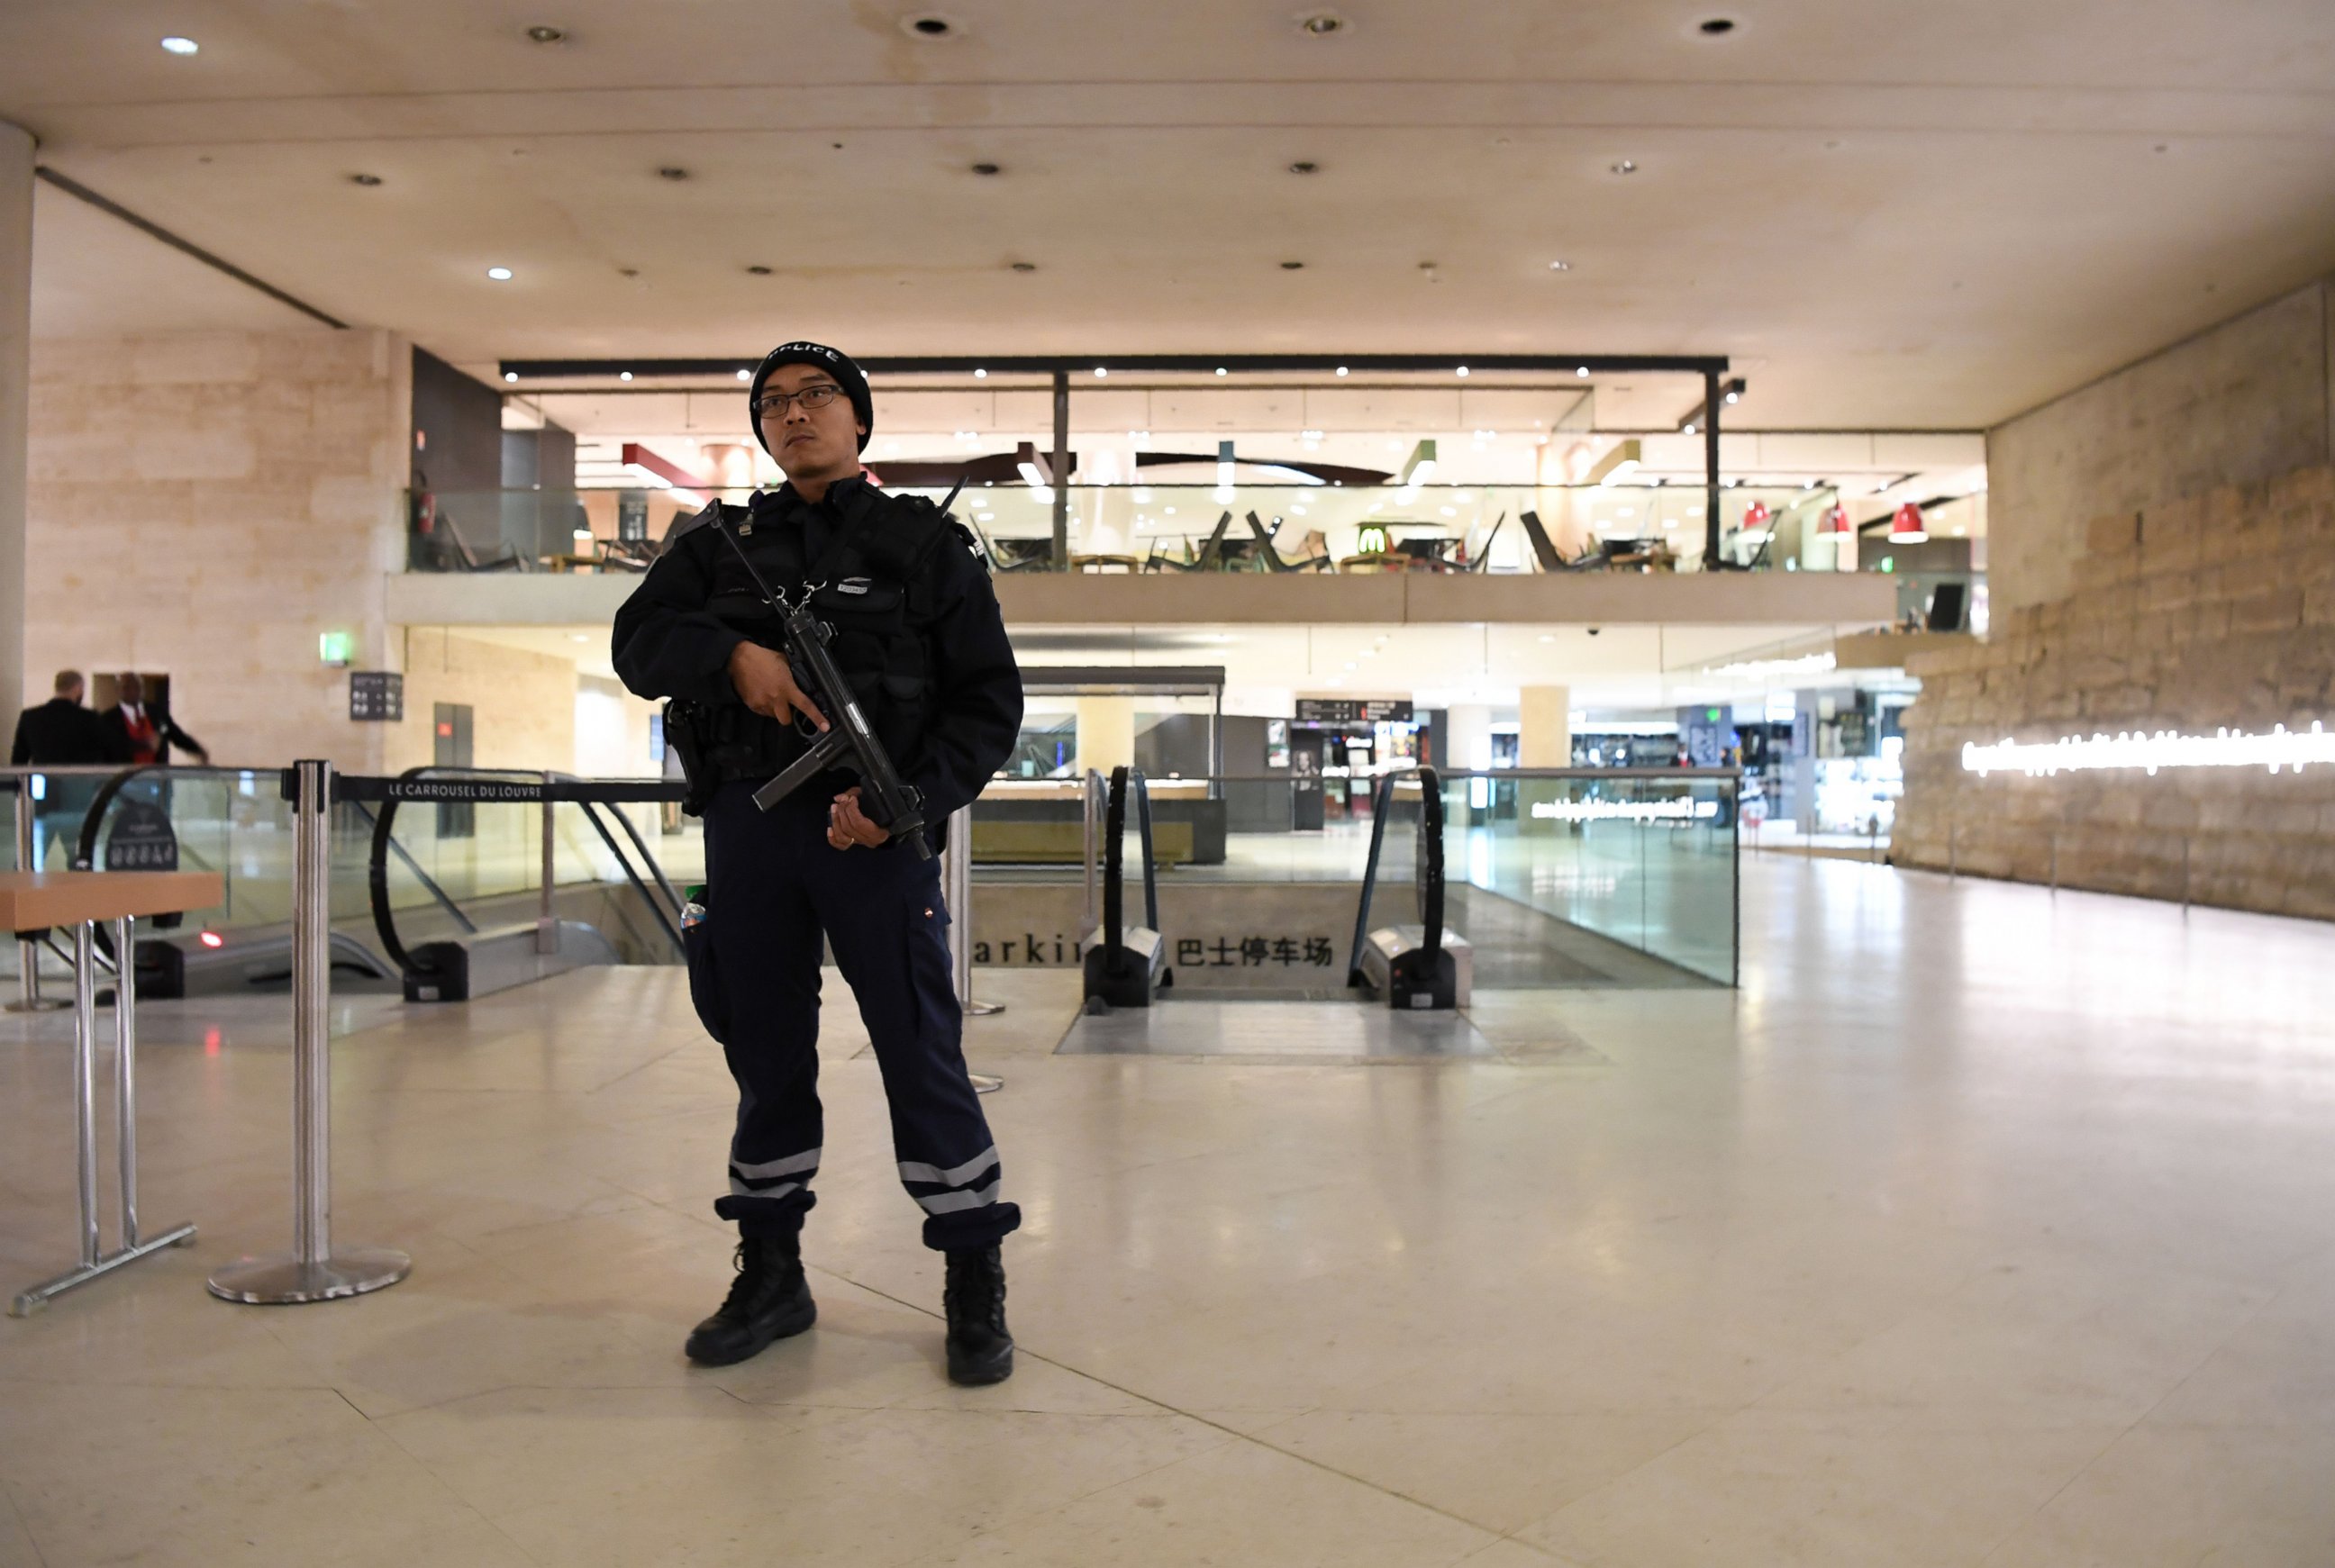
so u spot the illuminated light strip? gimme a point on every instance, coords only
(1681, 810)
(2282, 748)
(1766, 669)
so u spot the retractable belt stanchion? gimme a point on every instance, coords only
(313, 1271)
(956, 891)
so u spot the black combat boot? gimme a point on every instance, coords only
(980, 1350)
(767, 1300)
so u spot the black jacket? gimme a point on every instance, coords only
(670, 642)
(167, 734)
(62, 733)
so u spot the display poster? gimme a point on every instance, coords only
(143, 838)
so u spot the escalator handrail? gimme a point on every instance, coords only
(429, 883)
(1114, 884)
(672, 931)
(1430, 892)
(384, 921)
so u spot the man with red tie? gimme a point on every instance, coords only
(148, 733)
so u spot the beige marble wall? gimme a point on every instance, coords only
(522, 704)
(209, 504)
(2212, 611)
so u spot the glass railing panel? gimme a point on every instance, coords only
(1174, 528)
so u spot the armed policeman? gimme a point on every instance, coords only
(913, 628)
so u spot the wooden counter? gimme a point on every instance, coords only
(32, 900)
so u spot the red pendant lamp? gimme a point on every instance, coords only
(1758, 522)
(1835, 521)
(1907, 527)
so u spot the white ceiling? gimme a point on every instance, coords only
(1890, 212)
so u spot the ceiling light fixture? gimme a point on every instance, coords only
(1461, 370)
(1323, 24)
(1626, 166)
(542, 34)
(364, 180)
(927, 26)
(1718, 27)
(499, 273)
(1582, 370)
(1304, 168)
(673, 171)
(1293, 267)
(178, 46)
(984, 168)
(623, 375)
(1025, 267)
(1342, 370)
(1735, 388)
(1560, 266)
(1908, 527)
(1101, 371)
(745, 375)
(758, 270)
(979, 374)
(510, 375)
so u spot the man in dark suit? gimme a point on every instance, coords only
(147, 733)
(62, 733)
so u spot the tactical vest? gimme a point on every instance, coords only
(870, 587)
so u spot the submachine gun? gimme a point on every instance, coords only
(849, 742)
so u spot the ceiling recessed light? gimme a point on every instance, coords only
(1322, 23)
(1626, 166)
(499, 273)
(541, 34)
(984, 168)
(1717, 26)
(1307, 167)
(1461, 370)
(981, 376)
(1342, 370)
(364, 180)
(1102, 371)
(623, 375)
(510, 375)
(1293, 267)
(1581, 370)
(673, 171)
(1560, 266)
(1025, 267)
(745, 375)
(177, 46)
(1221, 371)
(628, 272)
(927, 26)
(759, 270)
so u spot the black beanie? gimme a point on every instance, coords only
(847, 375)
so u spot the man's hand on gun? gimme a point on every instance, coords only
(847, 825)
(765, 682)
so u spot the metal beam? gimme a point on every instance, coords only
(1060, 365)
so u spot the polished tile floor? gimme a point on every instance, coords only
(1980, 1227)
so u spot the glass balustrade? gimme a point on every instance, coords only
(1187, 528)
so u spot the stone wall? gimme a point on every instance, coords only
(2209, 610)
(2247, 399)
(206, 504)
(522, 703)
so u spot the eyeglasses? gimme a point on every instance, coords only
(774, 404)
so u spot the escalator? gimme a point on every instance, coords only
(1422, 964)
(441, 949)
(477, 961)
(1126, 965)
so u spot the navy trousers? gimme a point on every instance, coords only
(774, 889)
